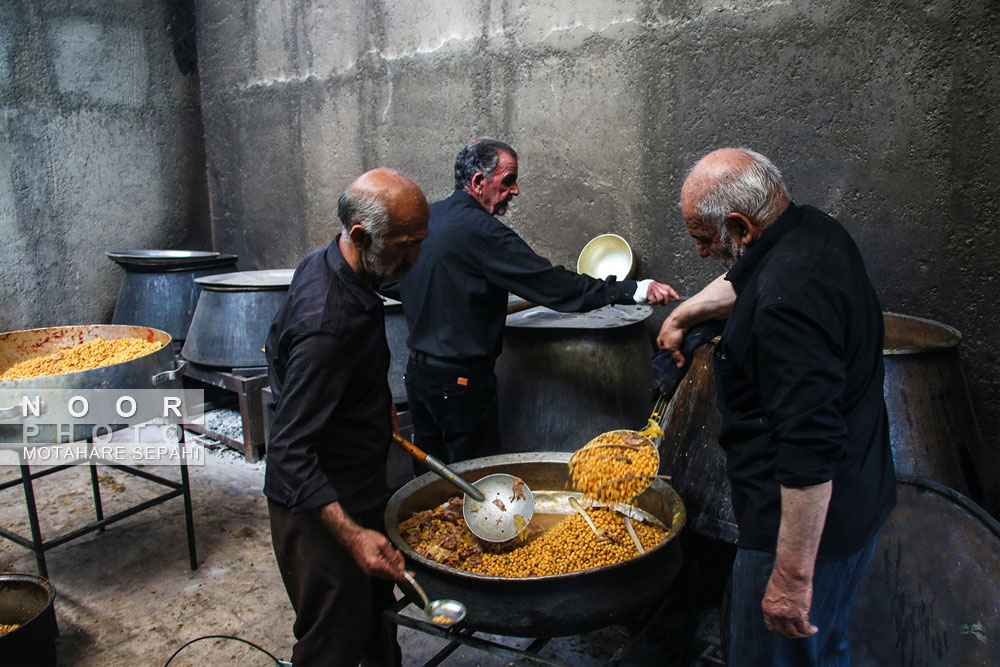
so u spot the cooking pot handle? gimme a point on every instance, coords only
(167, 376)
(15, 410)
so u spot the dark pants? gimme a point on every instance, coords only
(835, 581)
(338, 609)
(453, 407)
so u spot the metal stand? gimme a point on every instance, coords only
(39, 546)
(529, 655)
(246, 383)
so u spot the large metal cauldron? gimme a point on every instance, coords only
(565, 378)
(158, 369)
(932, 427)
(396, 333)
(691, 455)
(930, 595)
(234, 313)
(159, 290)
(542, 606)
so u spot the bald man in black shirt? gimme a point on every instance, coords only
(326, 454)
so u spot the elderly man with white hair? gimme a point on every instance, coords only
(799, 371)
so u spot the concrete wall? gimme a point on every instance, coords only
(100, 149)
(885, 114)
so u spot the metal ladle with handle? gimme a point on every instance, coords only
(445, 613)
(505, 510)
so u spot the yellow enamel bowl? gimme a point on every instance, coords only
(606, 255)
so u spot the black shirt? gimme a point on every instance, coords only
(327, 362)
(455, 297)
(800, 377)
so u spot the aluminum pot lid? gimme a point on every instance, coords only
(178, 266)
(160, 256)
(243, 281)
(608, 317)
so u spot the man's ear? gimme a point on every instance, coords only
(477, 182)
(742, 229)
(360, 236)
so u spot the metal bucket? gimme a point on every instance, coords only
(27, 600)
(564, 378)
(234, 312)
(542, 606)
(164, 294)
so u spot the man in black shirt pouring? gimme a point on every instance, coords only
(455, 303)
(326, 455)
(805, 431)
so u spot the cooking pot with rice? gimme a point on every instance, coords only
(551, 605)
(156, 368)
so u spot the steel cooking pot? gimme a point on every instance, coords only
(234, 313)
(158, 288)
(542, 606)
(565, 377)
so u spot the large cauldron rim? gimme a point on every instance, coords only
(392, 510)
(907, 334)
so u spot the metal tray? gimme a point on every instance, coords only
(242, 281)
(160, 256)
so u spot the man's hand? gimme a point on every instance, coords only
(670, 338)
(786, 605)
(660, 293)
(375, 555)
(788, 595)
(650, 291)
(370, 549)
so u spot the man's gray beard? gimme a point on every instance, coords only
(376, 266)
(730, 253)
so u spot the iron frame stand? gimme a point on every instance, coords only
(37, 545)
(466, 637)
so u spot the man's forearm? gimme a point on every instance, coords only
(714, 301)
(803, 514)
(338, 522)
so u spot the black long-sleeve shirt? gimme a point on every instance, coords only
(455, 297)
(800, 375)
(327, 362)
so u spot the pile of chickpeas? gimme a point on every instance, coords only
(614, 467)
(83, 357)
(571, 546)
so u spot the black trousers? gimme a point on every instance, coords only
(453, 407)
(338, 609)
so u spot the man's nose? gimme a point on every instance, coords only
(703, 250)
(515, 191)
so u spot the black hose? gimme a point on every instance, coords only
(239, 639)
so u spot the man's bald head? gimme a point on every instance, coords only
(381, 199)
(385, 218)
(731, 181)
(735, 180)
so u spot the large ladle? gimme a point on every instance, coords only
(435, 465)
(505, 510)
(445, 613)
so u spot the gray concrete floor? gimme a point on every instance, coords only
(128, 597)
